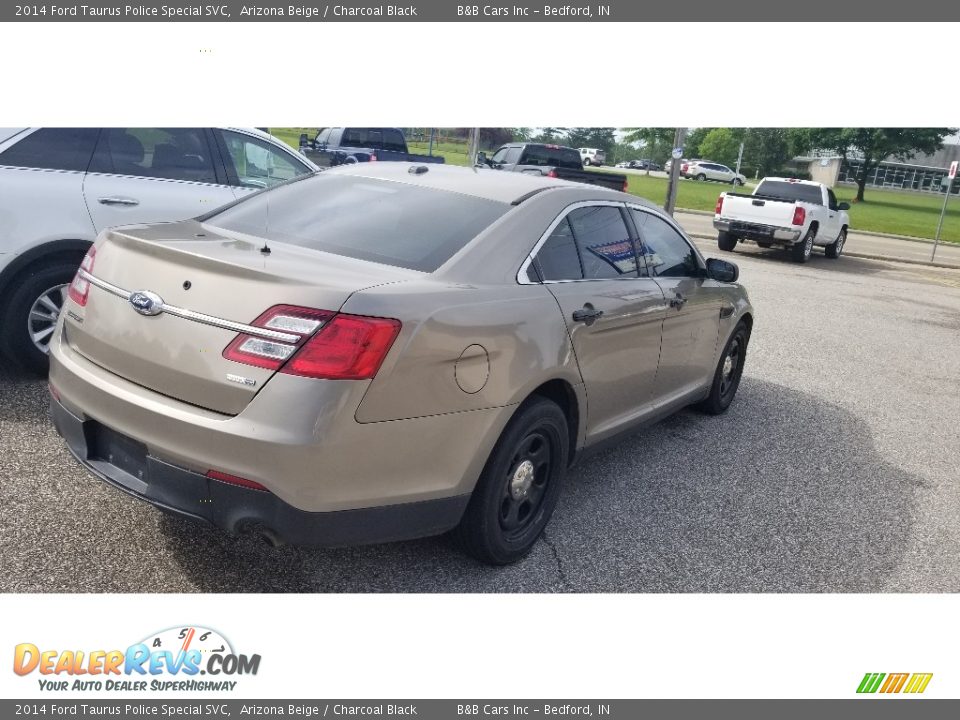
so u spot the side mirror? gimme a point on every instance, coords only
(843, 206)
(304, 139)
(722, 271)
(481, 158)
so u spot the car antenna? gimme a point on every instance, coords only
(266, 230)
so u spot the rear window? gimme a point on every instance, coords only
(791, 192)
(547, 156)
(362, 138)
(383, 222)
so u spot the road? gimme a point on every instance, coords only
(834, 471)
(701, 226)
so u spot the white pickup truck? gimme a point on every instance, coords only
(796, 214)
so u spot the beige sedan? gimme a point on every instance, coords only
(388, 351)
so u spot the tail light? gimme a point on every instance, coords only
(799, 215)
(552, 173)
(684, 167)
(235, 480)
(719, 207)
(331, 346)
(373, 158)
(626, 184)
(80, 287)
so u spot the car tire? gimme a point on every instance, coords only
(726, 378)
(726, 241)
(736, 182)
(701, 177)
(801, 251)
(519, 486)
(39, 290)
(834, 249)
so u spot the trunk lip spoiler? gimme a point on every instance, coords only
(194, 316)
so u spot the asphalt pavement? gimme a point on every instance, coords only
(835, 470)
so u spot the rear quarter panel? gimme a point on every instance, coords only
(464, 347)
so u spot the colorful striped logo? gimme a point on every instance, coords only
(914, 683)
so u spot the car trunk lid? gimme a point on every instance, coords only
(211, 286)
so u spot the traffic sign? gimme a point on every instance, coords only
(677, 153)
(953, 170)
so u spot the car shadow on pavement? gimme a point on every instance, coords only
(818, 261)
(784, 493)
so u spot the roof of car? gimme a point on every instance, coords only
(793, 181)
(498, 185)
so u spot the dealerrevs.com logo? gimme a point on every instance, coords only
(178, 659)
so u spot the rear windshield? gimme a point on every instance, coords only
(550, 156)
(384, 222)
(790, 191)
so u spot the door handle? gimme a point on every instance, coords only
(118, 201)
(678, 301)
(587, 315)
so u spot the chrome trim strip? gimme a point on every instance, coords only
(196, 316)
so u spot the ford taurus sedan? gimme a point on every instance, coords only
(388, 351)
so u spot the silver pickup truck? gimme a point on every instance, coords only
(796, 214)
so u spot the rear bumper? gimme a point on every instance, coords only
(237, 509)
(756, 231)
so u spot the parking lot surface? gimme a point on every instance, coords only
(835, 470)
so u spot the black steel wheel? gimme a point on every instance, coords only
(519, 486)
(726, 378)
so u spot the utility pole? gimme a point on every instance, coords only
(739, 158)
(946, 196)
(474, 145)
(430, 152)
(677, 154)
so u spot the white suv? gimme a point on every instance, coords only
(592, 156)
(706, 170)
(59, 187)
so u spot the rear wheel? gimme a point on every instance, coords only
(726, 241)
(801, 251)
(726, 378)
(31, 314)
(701, 177)
(519, 486)
(833, 250)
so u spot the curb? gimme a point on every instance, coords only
(865, 256)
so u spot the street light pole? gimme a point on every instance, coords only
(678, 138)
(943, 212)
(474, 145)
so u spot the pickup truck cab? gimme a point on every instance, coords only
(554, 161)
(795, 214)
(345, 146)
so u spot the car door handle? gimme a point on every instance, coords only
(118, 201)
(678, 301)
(587, 315)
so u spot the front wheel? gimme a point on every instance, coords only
(836, 247)
(801, 251)
(31, 315)
(701, 177)
(736, 182)
(726, 378)
(726, 241)
(519, 486)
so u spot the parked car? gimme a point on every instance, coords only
(343, 146)
(639, 165)
(668, 165)
(555, 161)
(403, 350)
(796, 214)
(592, 156)
(706, 170)
(59, 187)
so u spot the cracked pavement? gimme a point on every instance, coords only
(834, 471)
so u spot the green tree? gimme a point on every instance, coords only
(720, 145)
(691, 146)
(592, 137)
(870, 146)
(765, 150)
(657, 142)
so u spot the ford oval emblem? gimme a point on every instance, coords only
(146, 302)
